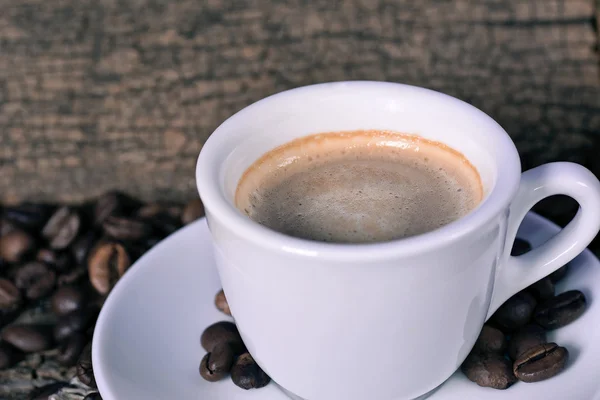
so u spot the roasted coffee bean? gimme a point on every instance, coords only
(68, 299)
(515, 312)
(540, 363)
(542, 289)
(529, 336)
(62, 228)
(246, 373)
(44, 392)
(559, 274)
(85, 371)
(150, 211)
(222, 332)
(520, 247)
(75, 322)
(70, 349)
(9, 356)
(58, 261)
(72, 276)
(221, 303)
(205, 371)
(10, 296)
(127, 229)
(113, 203)
(6, 227)
(106, 265)
(560, 310)
(93, 396)
(16, 246)
(488, 370)
(192, 211)
(108, 204)
(490, 340)
(217, 363)
(83, 245)
(28, 338)
(35, 279)
(30, 216)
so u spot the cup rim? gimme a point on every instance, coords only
(217, 206)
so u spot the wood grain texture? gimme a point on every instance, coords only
(100, 94)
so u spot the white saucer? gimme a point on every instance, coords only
(147, 339)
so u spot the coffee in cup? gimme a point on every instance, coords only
(359, 186)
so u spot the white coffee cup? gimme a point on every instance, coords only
(392, 320)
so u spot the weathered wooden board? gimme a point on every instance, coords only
(99, 94)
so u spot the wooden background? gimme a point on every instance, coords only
(101, 94)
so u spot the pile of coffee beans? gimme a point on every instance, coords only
(227, 354)
(62, 261)
(513, 346)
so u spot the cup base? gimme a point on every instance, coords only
(294, 397)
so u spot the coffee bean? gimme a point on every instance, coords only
(541, 362)
(16, 246)
(153, 210)
(44, 392)
(83, 245)
(35, 279)
(58, 261)
(515, 312)
(10, 296)
(28, 338)
(107, 205)
(560, 310)
(488, 370)
(70, 349)
(67, 299)
(30, 216)
(93, 396)
(75, 322)
(72, 276)
(542, 289)
(559, 274)
(520, 247)
(62, 228)
(490, 340)
(113, 203)
(221, 303)
(6, 227)
(9, 356)
(106, 265)
(217, 363)
(192, 211)
(246, 373)
(85, 371)
(127, 229)
(529, 336)
(222, 332)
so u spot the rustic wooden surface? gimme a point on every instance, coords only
(99, 94)
(103, 94)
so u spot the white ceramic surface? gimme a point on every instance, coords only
(147, 339)
(374, 301)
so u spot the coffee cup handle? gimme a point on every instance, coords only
(573, 180)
